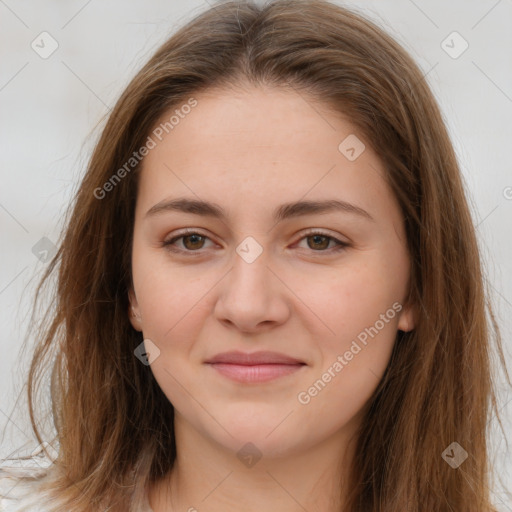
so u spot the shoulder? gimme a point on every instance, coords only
(19, 480)
(19, 487)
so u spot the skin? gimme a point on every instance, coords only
(249, 152)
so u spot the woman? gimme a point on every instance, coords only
(270, 295)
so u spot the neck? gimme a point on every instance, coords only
(208, 476)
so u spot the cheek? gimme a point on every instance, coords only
(173, 311)
(173, 308)
(351, 363)
(347, 299)
(355, 324)
(166, 292)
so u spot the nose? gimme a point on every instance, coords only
(252, 297)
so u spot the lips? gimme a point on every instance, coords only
(255, 358)
(254, 368)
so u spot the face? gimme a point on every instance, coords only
(258, 272)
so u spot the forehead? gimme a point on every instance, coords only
(267, 145)
(256, 120)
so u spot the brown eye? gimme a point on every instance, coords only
(194, 241)
(191, 242)
(319, 241)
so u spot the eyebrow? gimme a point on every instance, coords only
(283, 212)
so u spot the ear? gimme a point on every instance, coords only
(134, 312)
(408, 318)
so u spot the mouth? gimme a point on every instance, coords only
(256, 367)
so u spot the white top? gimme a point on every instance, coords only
(19, 496)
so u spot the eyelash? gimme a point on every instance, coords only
(168, 244)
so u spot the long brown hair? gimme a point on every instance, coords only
(114, 425)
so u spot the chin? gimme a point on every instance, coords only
(255, 440)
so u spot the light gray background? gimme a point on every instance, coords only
(50, 106)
